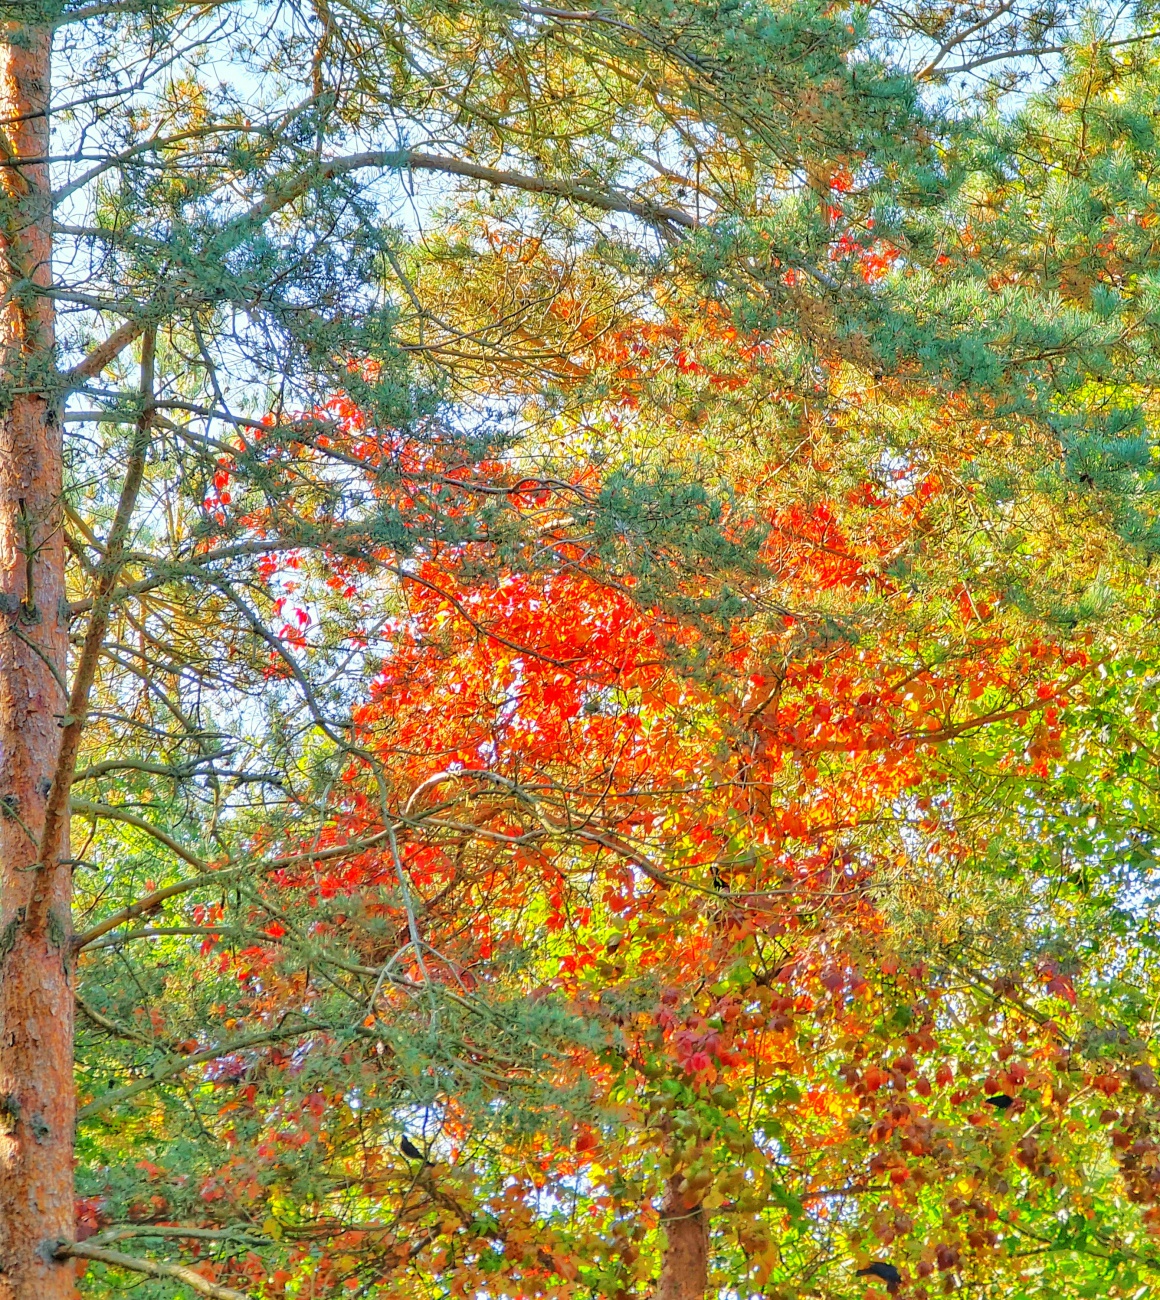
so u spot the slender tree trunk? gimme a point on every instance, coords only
(685, 1267)
(37, 1105)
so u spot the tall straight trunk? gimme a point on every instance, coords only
(37, 1106)
(685, 1265)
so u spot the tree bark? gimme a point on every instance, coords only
(685, 1266)
(37, 1102)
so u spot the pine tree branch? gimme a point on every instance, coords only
(84, 807)
(609, 200)
(111, 1026)
(179, 1066)
(168, 931)
(123, 1231)
(56, 812)
(103, 353)
(955, 40)
(211, 878)
(150, 1267)
(1035, 51)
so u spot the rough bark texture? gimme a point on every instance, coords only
(36, 996)
(685, 1268)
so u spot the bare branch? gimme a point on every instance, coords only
(401, 159)
(1035, 51)
(608, 200)
(959, 37)
(84, 807)
(103, 353)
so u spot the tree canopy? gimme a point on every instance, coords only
(578, 693)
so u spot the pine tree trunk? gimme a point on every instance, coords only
(37, 1106)
(685, 1267)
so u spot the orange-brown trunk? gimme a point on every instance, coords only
(685, 1266)
(37, 1106)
